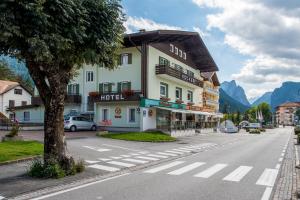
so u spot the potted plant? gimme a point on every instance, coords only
(128, 93)
(179, 101)
(13, 135)
(164, 99)
(190, 103)
(94, 94)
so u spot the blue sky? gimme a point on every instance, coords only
(244, 46)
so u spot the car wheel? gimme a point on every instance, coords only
(73, 128)
(94, 128)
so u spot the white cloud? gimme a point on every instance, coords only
(134, 24)
(268, 31)
(201, 32)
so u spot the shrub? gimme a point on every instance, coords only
(297, 130)
(36, 169)
(14, 130)
(53, 171)
(262, 130)
(254, 131)
(79, 166)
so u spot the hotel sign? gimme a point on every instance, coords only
(112, 97)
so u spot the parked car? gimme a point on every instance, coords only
(74, 123)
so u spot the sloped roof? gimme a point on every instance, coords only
(211, 76)
(5, 86)
(192, 40)
(290, 104)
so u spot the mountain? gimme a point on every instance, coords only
(230, 104)
(235, 91)
(264, 98)
(253, 99)
(288, 92)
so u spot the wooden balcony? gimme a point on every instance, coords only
(167, 70)
(70, 98)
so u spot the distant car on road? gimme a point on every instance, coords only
(253, 126)
(74, 123)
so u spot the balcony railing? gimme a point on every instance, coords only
(210, 102)
(70, 98)
(212, 91)
(164, 69)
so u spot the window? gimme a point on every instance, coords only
(124, 86)
(104, 114)
(178, 67)
(105, 87)
(125, 59)
(89, 76)
(184, 55)
(172, 48)
(26, 116)
(11, 103)
(73, 89)
(180, 53)
(18, 91)
(90, 104)
(190, 73)
(190, 96)
(163, 61)
(131, 115)
(24, 103)
(178, 93)
(176, 50)
(163, 90)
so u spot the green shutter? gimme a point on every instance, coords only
(69, 89)
(119, 87)
(130, 58)
(110, 87)
(100, 87)
(129, 85)
(161, 61)
(167, 90)
(77, 88)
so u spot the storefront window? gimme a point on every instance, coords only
(131, 113)
(163, 120)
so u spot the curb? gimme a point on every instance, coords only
(19, 160)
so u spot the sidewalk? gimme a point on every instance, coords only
(289, 176)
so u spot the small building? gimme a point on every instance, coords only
(12, 94)
(285, 113)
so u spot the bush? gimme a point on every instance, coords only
(14, 130)
(254, 131)
(262, 130)
(297, 130)
(53, 170)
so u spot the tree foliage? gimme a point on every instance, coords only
(264, 108)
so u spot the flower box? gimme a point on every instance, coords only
(164, 99)
(94, 94)
(178, 101)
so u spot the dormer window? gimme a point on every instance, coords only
(180, 53)
(172, 48)
(184, 55)
(176, 50)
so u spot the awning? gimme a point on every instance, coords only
(172, 109)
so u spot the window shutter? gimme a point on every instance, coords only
(119, 87)
(77, 88)
(110, 87)
(129, 85)
(167, 91)
(130, 58)
(69, 89)
(120, 60)
(161, 62)
(100, 87)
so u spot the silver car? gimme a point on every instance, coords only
(74, 123)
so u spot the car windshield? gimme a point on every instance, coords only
(66, 118)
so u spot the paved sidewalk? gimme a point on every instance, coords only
(289, 176)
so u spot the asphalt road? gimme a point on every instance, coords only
(241, 167)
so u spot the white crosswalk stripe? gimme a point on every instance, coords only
(180, 150)
(164, 167)
(125, 156)
(211, 171)
(147, 158)
(121, 164)
(134, 154)
(136, 160)
(167, 154)
(157, 156)
(186, 168)
(238, 174)
(92, 161)
(115, 157)
(104, 159)
(268, 177)
(1, 197)
(176, 152)
(105, 168)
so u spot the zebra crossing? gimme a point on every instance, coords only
(267, 178)
(116, 163)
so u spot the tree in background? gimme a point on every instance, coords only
(7, 74)
(53, 37)
(264, 108)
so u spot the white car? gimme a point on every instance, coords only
(74, 123)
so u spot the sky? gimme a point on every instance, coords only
(255, 42)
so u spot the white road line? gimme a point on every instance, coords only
(136, 161)
(166, 154)
(174, 152)
(267, 193)
(238, 174)
(77, 187)
(147, 158)
(1, 197)
(104, 159)
(125, 156)
(277, 166)
(143, 152)
(92, 161)
(186, 168)
(105, 168)
(268, 177)
(280, 159)
(211, 171)
(164, 167)
(157, 156)
(103, 150)
(282, 154)
(121, 164)
(185, 151)
(134, 154)
(115, 157)
(109, 145)
(97, 149)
